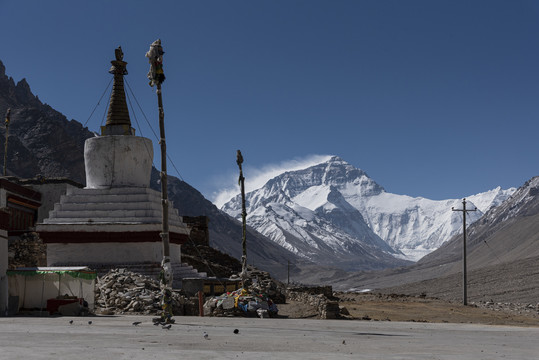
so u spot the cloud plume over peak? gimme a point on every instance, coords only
(256, 177)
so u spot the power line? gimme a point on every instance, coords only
(151, 128)
(140, 128)
(142, 111)
(493, 253)
(101, 98)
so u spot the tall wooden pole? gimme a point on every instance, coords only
(164, 190)
(156, 77)
(8, 116)
(241, 181)
(464, 269)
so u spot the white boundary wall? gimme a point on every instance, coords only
(34, 290)
(109, 253)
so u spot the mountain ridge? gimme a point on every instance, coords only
(301, 208)
(329, 231)
(43, 142)
(502, 258)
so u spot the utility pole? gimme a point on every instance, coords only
(8, 116)
(157, 76)
(288, 274)
(241, 182)
(464, 276)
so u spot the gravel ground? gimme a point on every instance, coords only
(515, 282)
(392, 307)
(118, 338)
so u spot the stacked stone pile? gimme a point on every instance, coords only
(258, 298)
(121, 291)
(27, 251)
(320, 297)
(264, 292)
(242, 302)
(262, 283)
(514, 308)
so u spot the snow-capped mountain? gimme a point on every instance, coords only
(336, 214)
(418, 226)
(506, 233)
(502, 253)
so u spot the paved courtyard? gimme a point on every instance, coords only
(116, 338)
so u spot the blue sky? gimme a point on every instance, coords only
(438, 99)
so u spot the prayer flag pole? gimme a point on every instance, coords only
(156, 77)
(8, 113)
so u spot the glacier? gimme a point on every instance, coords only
(333, 213)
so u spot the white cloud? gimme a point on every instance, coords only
(255, 177)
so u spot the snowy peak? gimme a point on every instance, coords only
(306, 212)
(505, 233)
(334, 213)
(334, 172)
(522, 202)
(489, 199)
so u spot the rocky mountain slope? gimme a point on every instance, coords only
(304, 212)
(502, 257)
(226, 233)
(507, 233)
(41, 140)
(334, 213)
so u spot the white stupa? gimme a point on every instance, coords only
(116, 219)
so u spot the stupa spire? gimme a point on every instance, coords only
(118, 121)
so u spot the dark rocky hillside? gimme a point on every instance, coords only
(41, 140)
(44, 142)
(226, 232)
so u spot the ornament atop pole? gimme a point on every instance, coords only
(155, 57)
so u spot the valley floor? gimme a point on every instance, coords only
(392, 307)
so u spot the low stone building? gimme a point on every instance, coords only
(19, 207)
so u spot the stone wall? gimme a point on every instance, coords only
(320, 297)
(199, 229)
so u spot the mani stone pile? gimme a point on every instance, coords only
(121, 291)
(258, 298)
(263, 283)
(319, 297)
